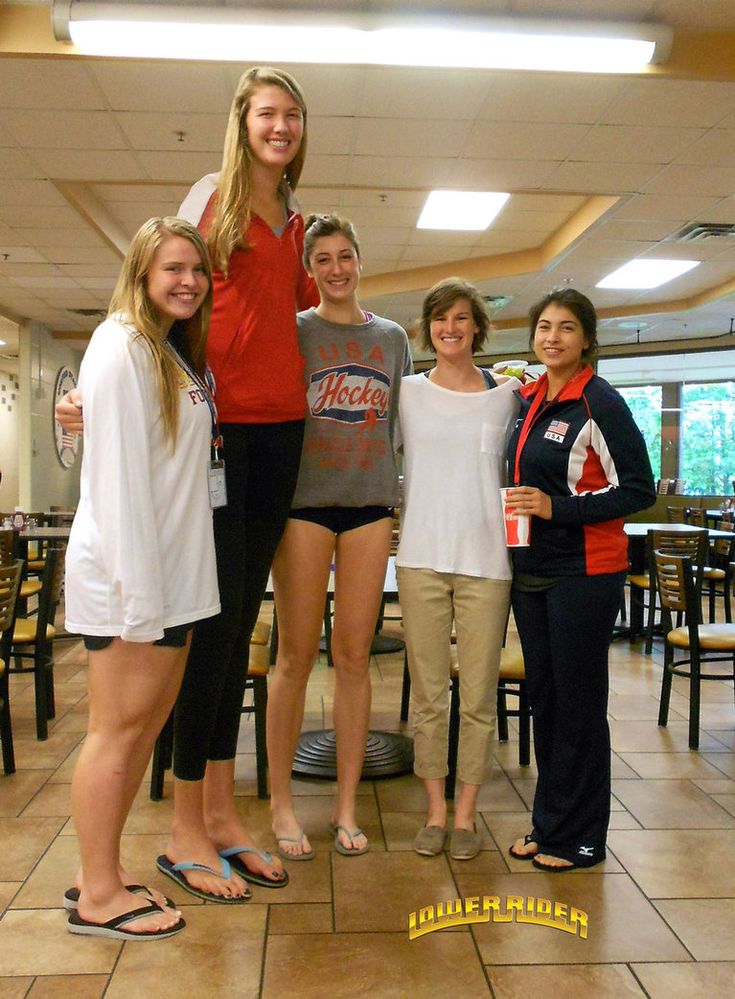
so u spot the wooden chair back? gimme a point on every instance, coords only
(676, 514)
(697, 517)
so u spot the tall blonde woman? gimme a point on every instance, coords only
(255, 232)
(143, 521)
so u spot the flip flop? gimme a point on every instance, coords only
(114, 928)
(554, 868)
(71, 896)
(176, 873)
(344, 850)
(304, 855)
(528, 838)
(231, 855)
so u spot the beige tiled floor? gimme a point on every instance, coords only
(661, 909)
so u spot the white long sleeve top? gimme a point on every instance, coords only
(141, 551)
(454, 446)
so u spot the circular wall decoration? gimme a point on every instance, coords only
(67, 444)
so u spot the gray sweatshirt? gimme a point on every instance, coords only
(353, 375)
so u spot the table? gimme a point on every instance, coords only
(714, 515)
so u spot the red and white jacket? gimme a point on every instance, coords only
(584, 450)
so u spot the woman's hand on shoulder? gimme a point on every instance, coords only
(528, 499)
(69, 412)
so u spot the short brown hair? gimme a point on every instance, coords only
(580, 307)
(442, 297)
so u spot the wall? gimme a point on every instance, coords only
(9, 419)
(43, 479)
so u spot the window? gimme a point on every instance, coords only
(645, 405)
(707, 441)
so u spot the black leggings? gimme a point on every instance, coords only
(261, 468)
(565, 633)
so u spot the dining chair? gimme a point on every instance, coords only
(28, 587)
(693, 543)
(703, 643)
(33, 639)
(696, 517)
(10, 574)
(677, 514)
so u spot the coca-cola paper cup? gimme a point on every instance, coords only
(517, 525)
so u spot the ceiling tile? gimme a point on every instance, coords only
(635, 144)
(410, 137)
(516, 141)
(71, 130)
(677, 103)
(179, 166)
(75, 164)
(403, 171)
(151, 130)
(676, 209)
(717, 147)
(16, 165)
(162, 86)
(601, 178)
(500, 175)
(549, 97)
(699, 180)
(48, 83)
(332, 136)
(440, 94)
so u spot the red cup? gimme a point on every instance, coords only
(517, 525)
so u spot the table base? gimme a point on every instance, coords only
(387, 754)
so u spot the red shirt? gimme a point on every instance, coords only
(252, 347)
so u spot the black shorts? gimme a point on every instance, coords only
(339, 519)
(173, 638)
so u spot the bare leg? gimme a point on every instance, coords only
(465, 807)
(436, 811)
(301, 576)
(131, 690)
(361, 559)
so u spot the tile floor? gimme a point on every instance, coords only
(660, 910)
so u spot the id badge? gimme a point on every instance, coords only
(216, 481)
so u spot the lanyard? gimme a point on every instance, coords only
(533, 414)
(208, 388)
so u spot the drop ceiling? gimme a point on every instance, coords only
(600, 169)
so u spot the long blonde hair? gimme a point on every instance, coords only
(131, 298)
(234, 189)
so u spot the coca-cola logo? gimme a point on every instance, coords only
(349, 393)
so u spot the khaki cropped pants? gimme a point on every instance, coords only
(430, 603)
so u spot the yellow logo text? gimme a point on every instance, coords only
(484, 908)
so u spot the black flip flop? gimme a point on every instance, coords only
(528, 838)
(114, 929)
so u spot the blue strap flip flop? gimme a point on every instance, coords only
(231, 855)
(176, 873)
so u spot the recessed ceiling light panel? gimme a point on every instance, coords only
(646, 273)
(470, 211)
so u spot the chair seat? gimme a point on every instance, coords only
(258, 660)
(36, 565)
(711, 636)
(25, 631)
(512, 666)
(710, 573)
(29, 588)
(261, 633)
(640, 580)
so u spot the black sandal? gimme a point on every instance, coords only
(524, 856)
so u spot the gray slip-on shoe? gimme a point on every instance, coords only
(429, 841)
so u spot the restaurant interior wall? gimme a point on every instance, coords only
(9, 407)
(46, 481)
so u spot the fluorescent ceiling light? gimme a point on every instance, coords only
(646, 273)
(2, 343)
(362, 38)
(466, 210)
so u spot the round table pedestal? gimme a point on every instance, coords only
(387, 754)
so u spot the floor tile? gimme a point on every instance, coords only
(69, 987)
(297, 918)
(37, 942)
(671, 804)
(685, 981)
(648, 737)
(373, 966)
(678, 863)
(14, 988)
(667, 765)
(606, 981)
(20, 788)
(24, 841)
(399, 883)
(219, 953)
(706, 926)
(726, 801)
(622, 925)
